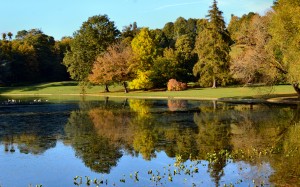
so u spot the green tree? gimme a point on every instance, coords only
(129, 32)
(4, 36)
(160, 40)
(10, 34)
(168, 30)
(284, 44)
(91, 40)
(186, 58)
(164, 68)
(21, 34)
(180, 27)
(212, 47)
(175, 64)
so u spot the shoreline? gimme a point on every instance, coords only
(276, 100)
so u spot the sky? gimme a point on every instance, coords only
(60, 18)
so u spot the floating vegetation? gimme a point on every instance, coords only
(182, 171)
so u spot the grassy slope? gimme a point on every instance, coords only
(69, 88)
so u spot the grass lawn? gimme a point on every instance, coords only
(71, 88)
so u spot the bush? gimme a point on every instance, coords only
(174, 85)
(142, 81)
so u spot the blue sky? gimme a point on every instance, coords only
(60, 18)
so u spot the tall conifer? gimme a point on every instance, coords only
(212, 47)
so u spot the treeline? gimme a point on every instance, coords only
(251, 49)
(32, 57)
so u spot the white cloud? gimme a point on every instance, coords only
(178, 4)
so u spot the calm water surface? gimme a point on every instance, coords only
(147, 143)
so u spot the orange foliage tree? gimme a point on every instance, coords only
(112, 66)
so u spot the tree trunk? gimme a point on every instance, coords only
(297, 88)
(125, 87)
(215, 104)
(214, 83)
(125, 103)
(106, 101)
(106, 88)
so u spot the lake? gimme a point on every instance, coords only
(131, 142)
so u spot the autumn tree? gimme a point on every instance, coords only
(251, 62)
(212, 47)
(145, 51)
(31, 57)
(91, 40)
(284, 44)
(112, 66)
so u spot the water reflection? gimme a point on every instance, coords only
(262, 139)
(97, 152)
(32, 129)
(146, 127)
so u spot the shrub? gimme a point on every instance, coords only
(142, 81)
(174, 85)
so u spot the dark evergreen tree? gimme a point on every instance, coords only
(212, 47)
(168, 31)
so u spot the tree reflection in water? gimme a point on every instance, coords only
(102, 132)
(31, 129)
(146, 127)
(97, 152)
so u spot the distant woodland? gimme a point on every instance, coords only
(252, 49)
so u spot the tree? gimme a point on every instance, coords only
(4, 36)
(9, 34)
(186, 58)
(160, 40)
(112, 66)
(145, 51)
(168, 31)
(61, 47)
(175, 64)
(129, 32)
(180, 27)
(164, 68)
(91, 40)
(284, 44)
(212, 47)
(239, 28)
(44, 47)
(21, 34)
(250, 60)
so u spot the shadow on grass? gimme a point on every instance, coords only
(37, 87)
